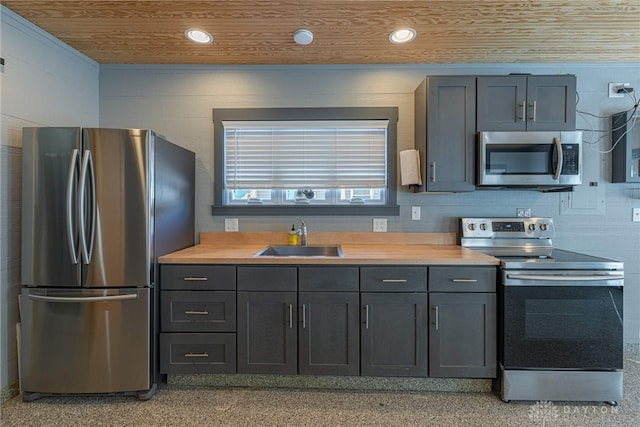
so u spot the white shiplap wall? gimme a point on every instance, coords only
(44, 83)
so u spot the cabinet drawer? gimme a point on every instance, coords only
(197, 353)
(268, 278)
(393, 279)
(198, 311)
(330, 279)
(462, 279)
(194, 277)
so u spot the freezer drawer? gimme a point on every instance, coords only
(86, 341)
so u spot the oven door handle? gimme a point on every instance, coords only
(559, 278)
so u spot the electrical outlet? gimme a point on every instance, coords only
(523, 212)
(231, 224)
(380, 225)
(613, 89)
(635, 212)
(415, 213)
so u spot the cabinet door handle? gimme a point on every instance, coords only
(366, 316)
(198, 312)
(394, 280)
(464, 280)
(533, 106)
(433, 171)
(523, 109)
(196, 354)
(290, 316)
(195, 279)
(304, 316)
(437, 317)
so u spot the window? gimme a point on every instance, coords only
(338, 161)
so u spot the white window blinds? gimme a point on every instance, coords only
(305, 154)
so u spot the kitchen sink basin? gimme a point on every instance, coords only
(302, 251)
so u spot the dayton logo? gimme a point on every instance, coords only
(543, 411)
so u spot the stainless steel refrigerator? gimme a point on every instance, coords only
(98, 207)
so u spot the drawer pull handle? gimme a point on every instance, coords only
(394, 280)
(195, 279)
(198, 312)
(196, 354)
(464, 280)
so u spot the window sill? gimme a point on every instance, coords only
(381, 210)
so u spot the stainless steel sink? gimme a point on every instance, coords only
(302, 251)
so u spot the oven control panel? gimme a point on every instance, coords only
(489, 228)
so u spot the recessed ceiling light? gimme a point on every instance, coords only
(404, 35)
(303, 37)
(198, 36)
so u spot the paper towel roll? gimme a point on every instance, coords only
(410, 167)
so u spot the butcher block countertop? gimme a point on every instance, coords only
(358, 248)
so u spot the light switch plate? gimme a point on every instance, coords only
(635, 214)
(231, 224)
(379, 225)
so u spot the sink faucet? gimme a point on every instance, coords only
(302, 232)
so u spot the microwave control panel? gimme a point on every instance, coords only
(570, 159)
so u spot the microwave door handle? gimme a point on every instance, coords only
(558, 171)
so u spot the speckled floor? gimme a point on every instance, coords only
(176, 405)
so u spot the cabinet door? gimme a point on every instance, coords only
(329, 333)
(502, 103)
(551, 103)
(462, 335)
(267, 333)
(445, 132)
(394, 334)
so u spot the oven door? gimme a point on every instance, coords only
(529, 158)
(562, 320)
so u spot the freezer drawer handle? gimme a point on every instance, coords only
(85, 299)
(203, 312)
(464, 280)
(394, 280)
(195, 279)
(565, 278)
(205, 354)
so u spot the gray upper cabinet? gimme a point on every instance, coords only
(445, 129)
(531, 103)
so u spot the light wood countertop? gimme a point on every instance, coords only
(358, 248)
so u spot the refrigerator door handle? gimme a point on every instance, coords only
(87, 168)
(84, 299)
(71, 183)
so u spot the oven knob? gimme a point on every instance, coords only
(543, 227)
(483, 226)
(532, 227)
(471, 227)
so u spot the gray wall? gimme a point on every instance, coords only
(43, 83)
(177, 101)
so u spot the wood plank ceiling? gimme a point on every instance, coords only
(345, 31)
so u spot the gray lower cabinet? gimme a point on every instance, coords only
(197, 319)
(532, 103)
(394, 334)
(267, 320)
(462, 322)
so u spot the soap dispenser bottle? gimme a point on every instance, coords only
(293, 236)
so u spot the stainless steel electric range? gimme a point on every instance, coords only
(560, 313)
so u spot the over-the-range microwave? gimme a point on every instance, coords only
(529, 159)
